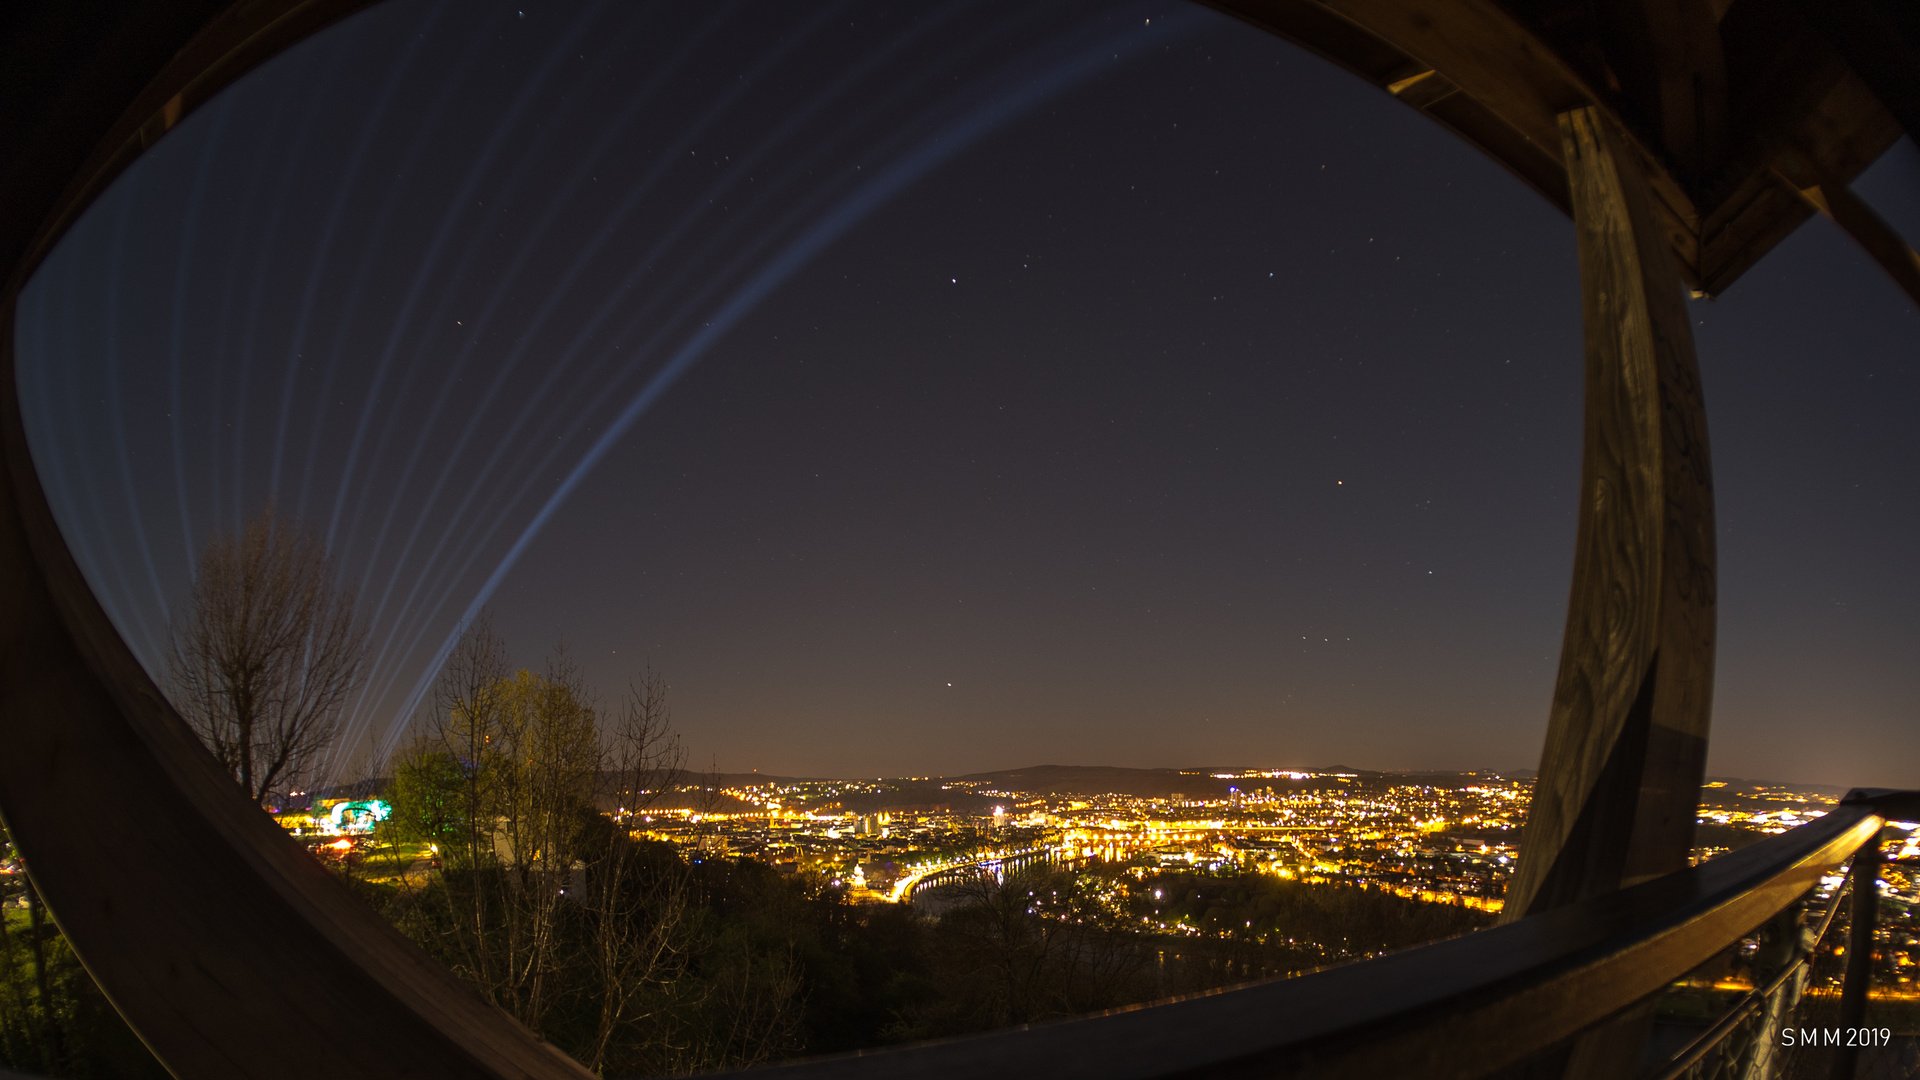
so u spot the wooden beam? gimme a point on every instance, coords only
(1882, 45)
(1339, 40)
(1626, 746)
(1858, 220)
(1503, 85)
(1667, 57)
(1698, 90)
(1627, 735)
(1793, 89)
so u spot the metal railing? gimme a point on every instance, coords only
(1465, 1007)
(1733, 1046)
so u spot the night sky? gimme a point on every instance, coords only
(927, 389)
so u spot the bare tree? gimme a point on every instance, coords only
(548, 903)
(641, 939)
(468, 718)
(526, 751)
(551, 738)
(267, 653)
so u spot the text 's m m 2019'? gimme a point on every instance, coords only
(1834, 1036)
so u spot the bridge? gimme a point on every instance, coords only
(956, 870)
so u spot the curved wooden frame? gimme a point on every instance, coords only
(229, 950)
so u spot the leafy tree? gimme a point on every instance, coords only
(429, 800)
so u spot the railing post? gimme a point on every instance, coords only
(1853, 992)
(1627, 735)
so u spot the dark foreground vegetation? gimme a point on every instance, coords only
(728, 962)
(755, 965)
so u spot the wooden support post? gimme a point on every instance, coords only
(1859, 980)
(1626, 747)
(1627, 737)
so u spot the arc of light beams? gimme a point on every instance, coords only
(767, 193)
(452, 568)
(502, 286)
(503, 283)
(322, 92)
(451, 90)
(584, 333)
(242, 221)
(797, 211)
(532, 153)
(330, 229)
(452, 573)
(118, 422)
(456, 569)
(455, 209)
(182, 272)
(856, 207)
(52, 458)
(107, 571)
(746, 163)
(558, 290)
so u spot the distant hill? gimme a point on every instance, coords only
(1101, 780)
(894, 794)
(1738, 784)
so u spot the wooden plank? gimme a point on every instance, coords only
(1501, 63)
(1627, 734)
(1699, 134)
(1474, 122)
(1315, 27)
(1858, 220)
(1801, 107)
(1508, 85)
(1750, 222)
(1666, 56)
(1796, 90)
(1881, 48)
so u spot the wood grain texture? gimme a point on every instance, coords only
(1626, 738)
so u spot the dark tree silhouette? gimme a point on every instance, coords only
(266, 654)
